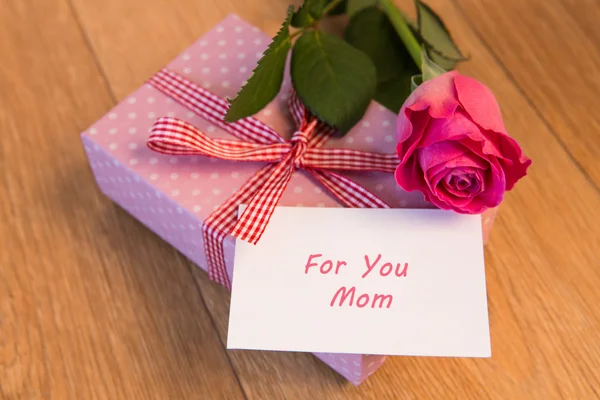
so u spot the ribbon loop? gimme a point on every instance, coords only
(176, 137)
(259, 142)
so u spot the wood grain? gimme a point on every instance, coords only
(92, 305)
(87, 307)
(550, 49)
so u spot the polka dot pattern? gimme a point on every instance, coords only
(173, 195)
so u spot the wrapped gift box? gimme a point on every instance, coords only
(173, 195)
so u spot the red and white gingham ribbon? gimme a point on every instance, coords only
(259, 142)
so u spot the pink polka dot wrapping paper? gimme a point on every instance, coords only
(173, 195)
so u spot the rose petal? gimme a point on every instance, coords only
(436, 185)
(495, 182)
(438, 95)
(449, 155)
(460, 127)
(443, 201)
(456, 127)
(516, 166)
(409, 176)
(436, 201)
(479, 102)
(457, 192)
(476, 184)
(471, 176)
(437, 172)
(433, 180)
(439, 153)
(474, 203)
(462, 182)
(440, 191)
(464, 160)
(481, 180)
(455, 201)
(509, 155)
(409, 131)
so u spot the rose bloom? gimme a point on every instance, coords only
(453, 146)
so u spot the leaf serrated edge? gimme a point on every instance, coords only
(302, 10)
(307, 10)
(268, 51)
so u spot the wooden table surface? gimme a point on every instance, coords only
(95, 306)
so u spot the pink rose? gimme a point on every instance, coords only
(453, 146)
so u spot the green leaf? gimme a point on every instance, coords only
(440, 60)
(393, 93)
(335, 81)
(340, 8)
(308, 13)
(435, 34)
(316, 7)
(265, 82)
(355, 6)
(302, 18)
(429, 67)
(371, 32)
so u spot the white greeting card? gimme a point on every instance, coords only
(366, 281)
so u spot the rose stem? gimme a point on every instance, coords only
(407, 37)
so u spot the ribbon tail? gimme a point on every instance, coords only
(255, 218)
(220, 223)
(349, 160)
(348, 192)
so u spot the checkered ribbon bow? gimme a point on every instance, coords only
(259, 143)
